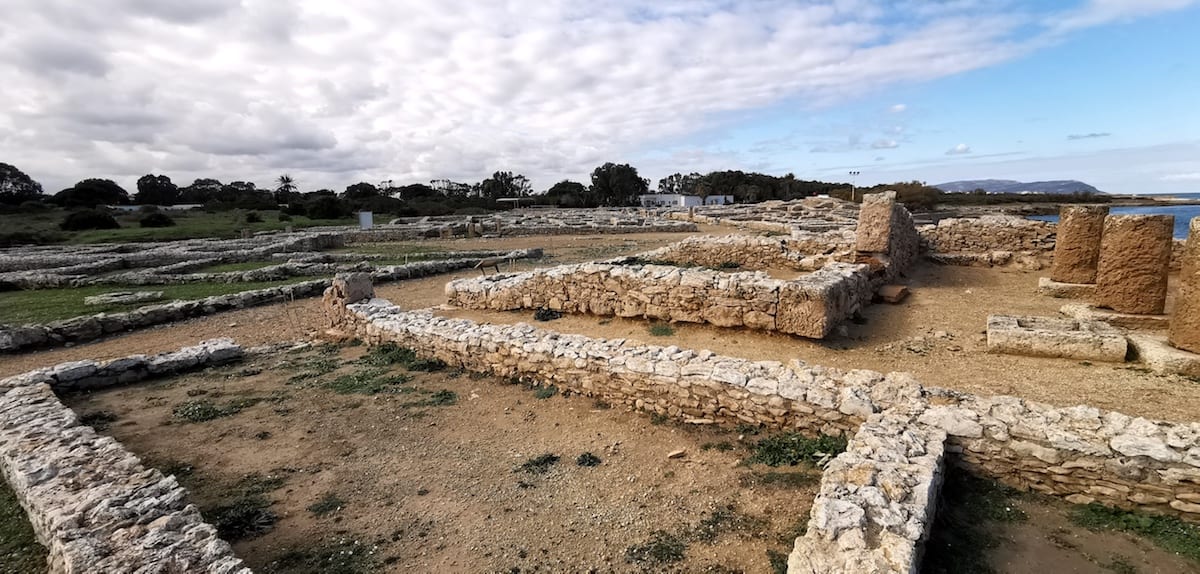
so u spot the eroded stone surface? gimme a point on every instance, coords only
(1077, 247)
(1052, 337)
(1185, 318)
(1135, 255)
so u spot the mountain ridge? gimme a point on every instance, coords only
(1057, 186)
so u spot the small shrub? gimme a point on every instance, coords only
(200, 411)
(242, 519)
(86, 219)
(587, 459)
(539, 464)
(156, 219)
(725, 519)
(99, 420)
(723, 446)
(284, 216)
(346, 556)
(663, 548)
(792, 448)
(253, 217)
(729, 265)
(426, 365)
(659, 419)
(546, 392)
(328, 503)
(778, 561)
(661, 330)
(442, 398)
(545, 314)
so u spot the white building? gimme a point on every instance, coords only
(680, 200)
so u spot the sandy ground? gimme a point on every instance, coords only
(437, 489)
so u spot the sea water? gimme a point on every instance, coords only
(1183, 214)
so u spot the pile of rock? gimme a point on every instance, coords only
(92, 503)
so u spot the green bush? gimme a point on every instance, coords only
(253, 217)
(156, 219)
(85, 219)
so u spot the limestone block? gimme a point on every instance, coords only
(1185, 318)
(875, 223)
(1077, 248)
(1162, 358)
(1050, 337)
(1052, 288)
(1121, 320)
(1135, 254)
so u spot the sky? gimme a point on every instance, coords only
(333, 93)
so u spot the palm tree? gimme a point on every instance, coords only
(286, 187)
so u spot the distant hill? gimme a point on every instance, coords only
(1013, 186)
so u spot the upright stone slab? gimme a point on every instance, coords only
(875, 223)
(1185, 319)
(1135, 254)
(1077, 246)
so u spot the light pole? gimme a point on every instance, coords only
(853, 174)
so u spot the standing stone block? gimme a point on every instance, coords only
(875, 222)
(1135, 254)
(1077, 247)
(1185, 320)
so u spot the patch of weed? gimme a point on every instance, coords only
(587, 459)
(99, 420)
(389, 354)
(662, 548)
(723, 446)
(545, 314)
(340, 557)
(781, 480)
(797, 530)
(600, 405)
(661, 330)
(539, 464)
(659, 419)
(242, 519)
(202, 411)
(792, 448)
(725, 519)
(426, 365)
(255, 484)
(328, 503)
(1168, 532)
(545, 392)
(19, 548)
(729, 265)
(1121, 565)
(778, 561)
(367, 382)
(962, 535)
(442, 398)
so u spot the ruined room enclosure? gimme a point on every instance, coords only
(391, 453)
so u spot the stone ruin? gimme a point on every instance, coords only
(882, 245)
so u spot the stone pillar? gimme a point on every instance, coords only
(1077, 247)
(875, 223)
(1135, 254)
(1185, 319)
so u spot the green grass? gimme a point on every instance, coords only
(46, 305)
(231, 267)
(243, 518)
(1168, 532)
(328, 504)
(663, 548)
(204, 410)
(367, 382)
(19, 548)
(341, 557)
(792, 448)
(779, 480)
(197, 223)
(963, 534)
(661, 330)
(726, 519)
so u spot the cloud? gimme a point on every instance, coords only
(879, 158)
(409, 91)
(1088, 136)
(884, 144)
(1100, 12)
(960, 149)
(1190, 176)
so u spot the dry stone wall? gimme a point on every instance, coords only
(1080, 452)
(810, 306)
(756, 252)
(989, 240)
(92, 503)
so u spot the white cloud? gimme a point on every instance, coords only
(884, 144)
(898, 108)
(1099, 12)
(1088, 136)
(959, 149)
(412, 90)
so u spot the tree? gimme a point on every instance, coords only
(418, 191)
(285, 190)
(93, 192)
(618, 184)
(679, 183)
(156, 190)
(16, 187)
(451, 188)
(567, 193)
(201, 190)
(360, 190)
(505, 184)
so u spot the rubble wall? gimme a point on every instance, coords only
(1081, 452)
(755, 252)
(92, 503)
(989, 240)
(810, 306)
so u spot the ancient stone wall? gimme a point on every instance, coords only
(756, 252)
(810, 306)
(1080, 452)
(92, 503)
(989, 240)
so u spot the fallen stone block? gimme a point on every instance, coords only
(1059, 290)
(892, 293)
(1162, 358)
(123, 297)
(1049, 337)
(1122, 320)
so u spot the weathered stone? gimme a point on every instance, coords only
(1135, 255)
(1185, 318)
(1052, 288)
(1162, 358)
(1050, 337)
(1077, 246)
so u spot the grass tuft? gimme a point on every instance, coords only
(367, 382)
(328, 503)
(1168, 532)
(539, 464)
(780, 480)
(792, 448)
(340, 557)
(242, 519)
(587, 459)
(661, 330)
(662, 548)
(726, 519)
(19, 548)
(545, 392)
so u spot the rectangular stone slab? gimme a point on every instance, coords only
(1052, 337)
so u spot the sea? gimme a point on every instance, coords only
(1183, 213)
